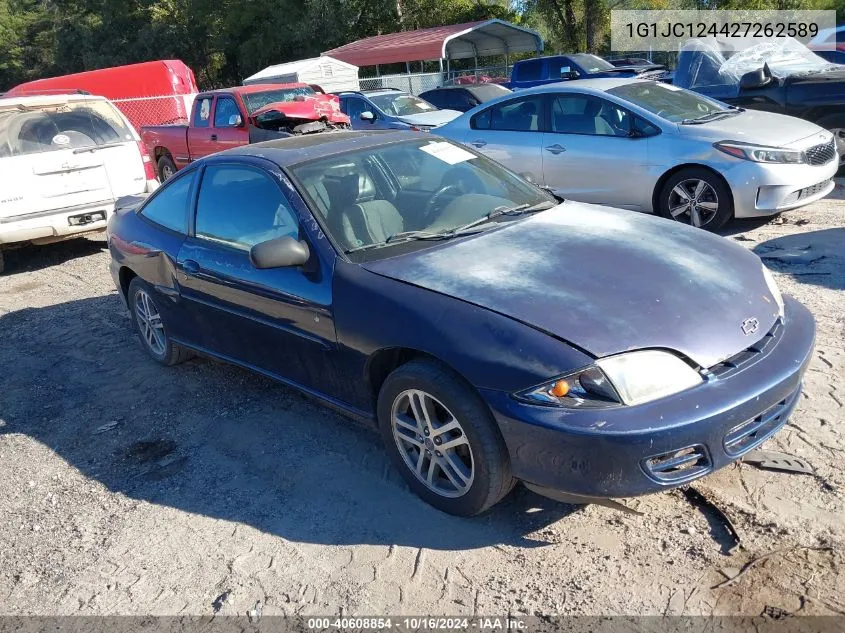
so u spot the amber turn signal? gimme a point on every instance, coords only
(559, 389)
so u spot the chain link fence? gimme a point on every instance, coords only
(156, 110)
(415, 83)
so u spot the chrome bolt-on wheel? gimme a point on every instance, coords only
(149, 323)
(693, 201)
(167, 171)
(419, 423)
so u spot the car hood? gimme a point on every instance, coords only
(605, 280)
(435, 117)
(754, 126)
(308, 109)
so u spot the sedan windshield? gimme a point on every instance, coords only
(416, 190)
(669, 102)
(401, 104)
(257, 100)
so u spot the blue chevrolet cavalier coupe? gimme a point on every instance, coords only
(493, 332)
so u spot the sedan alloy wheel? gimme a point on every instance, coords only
(693, 201)
(432, 443)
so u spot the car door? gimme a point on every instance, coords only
(353, 107)
(229, 129)
(274, 320)
(200, 142)
(590, 153)
(511, 132)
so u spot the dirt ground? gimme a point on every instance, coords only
(127, 488)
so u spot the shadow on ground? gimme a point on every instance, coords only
(212, 439)
(812, 257)
(29, 258)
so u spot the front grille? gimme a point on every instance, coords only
(821, 154)
(751, 433)
(678, 466)
(806, 192)
(750, 354)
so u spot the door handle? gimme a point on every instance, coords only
(190, 267)
(478, 143)
(555, 149)
(213, 137)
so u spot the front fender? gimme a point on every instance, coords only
(489, 350)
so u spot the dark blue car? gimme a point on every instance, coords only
(537, 71)
(493, 333)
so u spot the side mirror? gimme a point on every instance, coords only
(281, 252)
(566, 72)
(235, 120)
(368, 116)
(755, 79)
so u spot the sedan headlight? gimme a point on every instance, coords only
(760, 153)
(773, 288)
(625, 379)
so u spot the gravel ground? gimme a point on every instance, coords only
(128, 488)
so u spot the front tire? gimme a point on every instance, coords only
(698, 197)
(443, 439)
(151, 327)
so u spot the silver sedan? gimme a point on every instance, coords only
(653, 147)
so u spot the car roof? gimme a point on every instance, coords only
(299, 149)
(587, 85)
(47, 99)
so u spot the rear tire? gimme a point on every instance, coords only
(696, 196)
(457, 449)
(166, 167)
(151, 327)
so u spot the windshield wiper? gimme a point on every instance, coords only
(94, 148)
(712, 116)
(459, 231)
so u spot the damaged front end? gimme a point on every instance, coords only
(303, 115)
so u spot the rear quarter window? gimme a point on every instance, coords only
(170, 205)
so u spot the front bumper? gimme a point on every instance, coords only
(629, 451)
(762, 189)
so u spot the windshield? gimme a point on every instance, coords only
(668, 102)
(75, 125)
(257, 100)
(401, 104)
(366, 196)
(591, 63)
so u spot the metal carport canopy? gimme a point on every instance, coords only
(454, 41)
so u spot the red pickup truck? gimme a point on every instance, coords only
(238, 116)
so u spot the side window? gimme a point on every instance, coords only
(641, 128)
(241, 206)
(439, 98)
(356, 106)
(583, 114)
(463, 100)
(169, 206)
(202, 113)
(520, 115)
(530, 70)
(224, 110)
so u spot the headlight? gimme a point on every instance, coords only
(630, 378)
(773, 288)
(759, 153)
